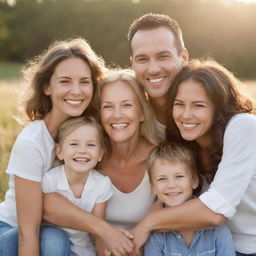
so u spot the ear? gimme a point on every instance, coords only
(131, 60)
(195, 182)
(101, 155)
(184, 57)
(154, 190)
(59, 152)
(47, 90)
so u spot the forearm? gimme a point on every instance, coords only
(61, 212)
(191, 215)
(29, 215)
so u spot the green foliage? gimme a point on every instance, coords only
(10, 71)
(210, 27)
(9, 128)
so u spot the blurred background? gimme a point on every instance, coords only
(223, 29)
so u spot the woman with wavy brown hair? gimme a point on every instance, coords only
(211, 115)
(62, 81)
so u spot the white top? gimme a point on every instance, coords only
(97, 189)
(31, 156)
(125, 210)
(233, 190)
(160, 129)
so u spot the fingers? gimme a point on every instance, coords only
(127, 233)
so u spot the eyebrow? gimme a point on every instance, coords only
(68, 77)
(195, 101)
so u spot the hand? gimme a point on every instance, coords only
(141, 235)
(118, 241)
(156, 206)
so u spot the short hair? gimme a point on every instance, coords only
(154, 20)
(73, 123)
(39, 71)
(148, 126)
(172, 152)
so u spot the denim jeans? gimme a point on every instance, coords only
(53, 241)
(242, 254)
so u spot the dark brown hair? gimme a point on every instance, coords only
(223, 88)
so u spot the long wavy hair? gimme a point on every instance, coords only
(39, 70)
(225, 91)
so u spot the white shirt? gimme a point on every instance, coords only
(31, 156)
(125, 210)
(160, 129)
(233, 190)
(97, 189)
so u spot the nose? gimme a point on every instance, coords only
(171, 183)
(75, 89)
(187, 113)
(153, 67)
(117, 112)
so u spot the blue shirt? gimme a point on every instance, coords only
(207, 242)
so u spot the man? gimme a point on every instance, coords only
(157, 55)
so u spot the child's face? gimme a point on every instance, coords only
(80, 150)
(172, 182)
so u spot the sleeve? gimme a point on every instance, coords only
(47, 185)
(155, 245)
(26, 160)
(223, 241)
(106, 191)
(236, 168)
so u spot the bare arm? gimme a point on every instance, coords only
(191, 215)
(62, 212)
(29, 215)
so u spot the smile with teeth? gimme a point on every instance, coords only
(173, 193)
(81, 159)
(74, 102)
(189, 125)
(119, 126)
(156, 80)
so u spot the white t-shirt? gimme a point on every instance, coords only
(125, 210)
(161, 129)
(233, 190)
(31, 156)
(97, 189)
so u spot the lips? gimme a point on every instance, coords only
(156, 80)
(189, 125)
(81, 160)
(173, 193)
(74, 102)
(119, 125)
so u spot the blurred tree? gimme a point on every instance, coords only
(210, 27)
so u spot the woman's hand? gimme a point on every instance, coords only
(118, 241)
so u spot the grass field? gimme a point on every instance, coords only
(9, 128)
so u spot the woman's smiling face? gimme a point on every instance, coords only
(193, 112)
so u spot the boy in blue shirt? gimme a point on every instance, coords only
(173, 174)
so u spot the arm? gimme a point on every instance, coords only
(74, 217)
(193, 214)
(99, 210)
(29, 214)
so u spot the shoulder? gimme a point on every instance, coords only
(35, 133)
(100, 178)
(243, 120)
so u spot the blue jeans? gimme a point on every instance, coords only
(53, 241)
(242, 254)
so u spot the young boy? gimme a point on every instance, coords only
(173, 174)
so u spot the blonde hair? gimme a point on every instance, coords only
(172, 152)
(127, 76)
(74, 123)
(38, 73)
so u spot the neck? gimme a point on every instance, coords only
(161, 108)
(126, 151)
(53, 123)
(76, 181)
